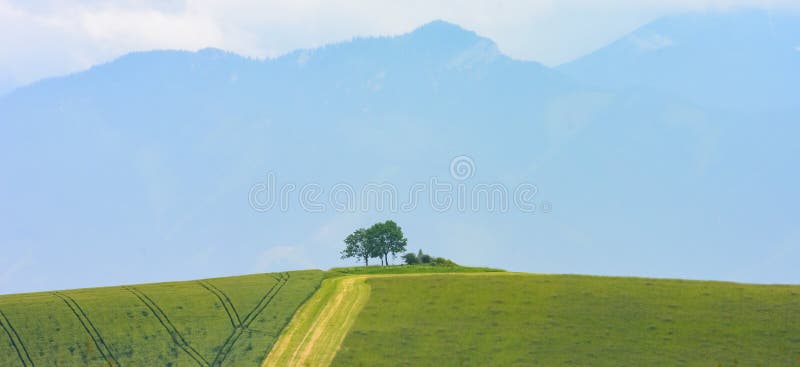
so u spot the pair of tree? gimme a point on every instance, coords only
(379, 241)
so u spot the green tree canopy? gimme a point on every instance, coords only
(386, 238)
(379, 241)
(357, 246)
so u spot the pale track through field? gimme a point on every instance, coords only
(318, 328)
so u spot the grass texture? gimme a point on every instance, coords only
(230, 321)
(512, 319)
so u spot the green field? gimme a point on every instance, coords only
(230, 321)
(406, 316)
(508, 319)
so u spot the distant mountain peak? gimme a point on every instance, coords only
(441, 26)
(440, 29)
(437, 43)
(455, 46)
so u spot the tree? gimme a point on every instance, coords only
(410, 258)
(386, 238)
(358, 247)
(425, 259)
(397, 242)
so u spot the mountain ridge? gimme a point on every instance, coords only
(444, 41)
(147, 163)
(711, 58)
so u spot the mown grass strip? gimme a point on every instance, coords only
(265, 300)
(225, 301)
(16, 341)
(87, 324)
(176, 336)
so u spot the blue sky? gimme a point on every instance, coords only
(42, 38)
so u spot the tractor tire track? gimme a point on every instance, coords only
(249, 318)
(281, 279)
(16, 341)
(265, 300)
(223, 298)
(87, 324)
(173, 332)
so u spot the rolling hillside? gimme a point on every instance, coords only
(213, 322)
(406, 316)
(517, 319)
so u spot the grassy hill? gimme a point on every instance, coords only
(512, 319)
(213, 322)
(406, 316)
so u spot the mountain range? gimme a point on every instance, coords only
(671, 152)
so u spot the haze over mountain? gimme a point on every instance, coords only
(668, 159)
(745, 61)
(7, 85)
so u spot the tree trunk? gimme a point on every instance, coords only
(366, 261)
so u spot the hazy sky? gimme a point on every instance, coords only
(41, 38)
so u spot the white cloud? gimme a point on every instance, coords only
(150, 29)
(52, 37)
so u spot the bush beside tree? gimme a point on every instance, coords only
(410, 258)
(422, 258)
